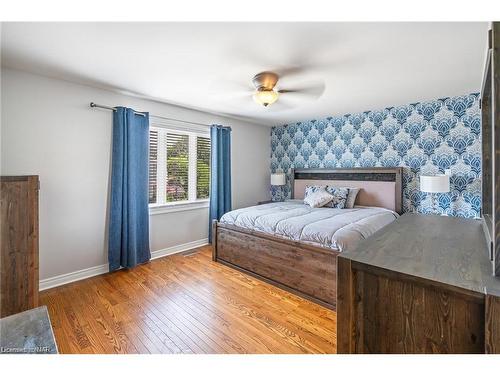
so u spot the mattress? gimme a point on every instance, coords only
(337, 229)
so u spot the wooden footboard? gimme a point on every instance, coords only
(306, 270)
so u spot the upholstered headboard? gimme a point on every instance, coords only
(380, 187)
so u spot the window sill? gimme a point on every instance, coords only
(178, 206)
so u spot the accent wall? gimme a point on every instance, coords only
(425, 138)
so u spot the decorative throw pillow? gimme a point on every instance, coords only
(318, 198)
(351, 197)
(339, 197)
(312, 189)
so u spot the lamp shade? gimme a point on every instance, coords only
(278, 179)
(435, 184)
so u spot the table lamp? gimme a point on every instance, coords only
(435, 184)
(277, 181)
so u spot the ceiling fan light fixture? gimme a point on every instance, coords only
(265, 97)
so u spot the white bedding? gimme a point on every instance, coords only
(338, 229)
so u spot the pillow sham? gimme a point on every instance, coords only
(351, 197)
(318, 198)
(339, 197)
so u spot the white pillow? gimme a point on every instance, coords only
(318, 198)
(313, 188)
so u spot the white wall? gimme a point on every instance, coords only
(48, 129)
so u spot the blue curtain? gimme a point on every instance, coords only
(129, 218)
(220, 173)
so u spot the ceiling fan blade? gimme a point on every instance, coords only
(315, 90)
(281, 105)
(234, 86)
(293, 70)
(231, 83)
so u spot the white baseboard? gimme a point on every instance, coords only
(178, 248)
(66, 278)
(70, 277)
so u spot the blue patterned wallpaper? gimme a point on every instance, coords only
(424, 138)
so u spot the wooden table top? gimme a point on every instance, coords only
(447, 250)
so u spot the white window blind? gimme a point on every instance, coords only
(179, 166)
(153, 165)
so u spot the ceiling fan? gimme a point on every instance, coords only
(267, 94)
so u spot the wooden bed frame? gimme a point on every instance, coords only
(306, 270)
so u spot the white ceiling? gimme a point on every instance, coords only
(206, 65)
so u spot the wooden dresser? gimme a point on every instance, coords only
(18, 244)
(423, 284)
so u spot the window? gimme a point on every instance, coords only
(153, 164)
(179, 166)
(202, 167)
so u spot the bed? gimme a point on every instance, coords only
(294, 246)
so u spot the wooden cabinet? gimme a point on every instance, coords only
(492, 324)
(19, 244)
(423, 284)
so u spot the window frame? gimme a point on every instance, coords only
(193, 131)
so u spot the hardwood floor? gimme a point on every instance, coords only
(185, 303)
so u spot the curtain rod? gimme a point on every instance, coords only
(94, 105)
